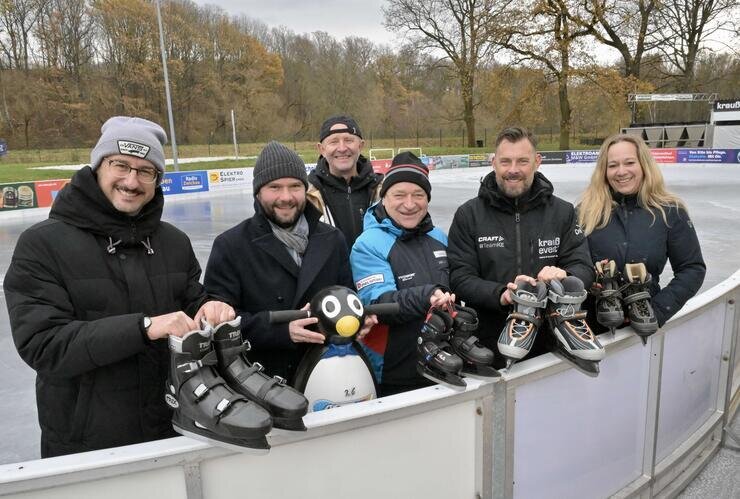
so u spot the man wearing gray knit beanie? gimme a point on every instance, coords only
(278, 260)
(95, 293)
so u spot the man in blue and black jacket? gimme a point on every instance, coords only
(401, 258)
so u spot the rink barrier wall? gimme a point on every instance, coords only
(644, 428)
(41, 193)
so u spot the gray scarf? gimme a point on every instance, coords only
(295, 239)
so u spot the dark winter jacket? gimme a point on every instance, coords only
(634, 235)
(395, 265)
(77, 289)
(343, 205)
(494, 238)
(251, 269)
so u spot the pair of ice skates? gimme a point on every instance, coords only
(619, 295)
(559, 304)
(219, 396)
(448, 350)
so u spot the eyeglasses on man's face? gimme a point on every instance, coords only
(122, 169)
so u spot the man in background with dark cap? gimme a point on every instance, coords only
(278, 260)
(94, 291)
(343, 184)
(401, 258)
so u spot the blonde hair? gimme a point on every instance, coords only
(596, 205)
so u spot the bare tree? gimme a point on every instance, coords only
(465, 32)
(688, 25)
(17, 18)
(545, 33)
(628, 26)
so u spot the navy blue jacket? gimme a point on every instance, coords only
(251, 269)
(494, 238)
(634, 235)
(395, 265)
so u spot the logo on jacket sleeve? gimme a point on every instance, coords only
(367, 281)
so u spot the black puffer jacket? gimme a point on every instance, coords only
(494, 238)
(634, 235)
(76, 304)
(251, 269)
(343, 205)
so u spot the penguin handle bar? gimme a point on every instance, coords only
(282, 316)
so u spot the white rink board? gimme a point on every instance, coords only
(430, 455)
(588, 431)
(690, 378)
(163, 483)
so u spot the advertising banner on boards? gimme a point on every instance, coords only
(185, 182)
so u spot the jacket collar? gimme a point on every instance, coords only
(82, 204)
(540, 191)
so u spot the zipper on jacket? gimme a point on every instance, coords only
(517, 219)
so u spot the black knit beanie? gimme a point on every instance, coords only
(406, 167)
(277, 161)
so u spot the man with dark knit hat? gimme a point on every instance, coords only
(94, 292)
(277, 260)
(401, 258)
(343, 184)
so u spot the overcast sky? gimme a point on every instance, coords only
(339, 18)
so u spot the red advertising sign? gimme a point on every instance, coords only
(381, 165)
(664, 155)
(46, 191)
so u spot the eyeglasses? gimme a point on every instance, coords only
(122, 169)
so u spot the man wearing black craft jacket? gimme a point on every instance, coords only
(514, 228)
(343, 185)
(94, 291)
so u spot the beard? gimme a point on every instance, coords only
(283, 221)
(514, 191)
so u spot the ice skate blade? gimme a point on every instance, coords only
(257, 446)
(484, 373)
(290, 424)
(587, 367)
(452, 381)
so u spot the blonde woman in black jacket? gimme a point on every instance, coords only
(629, 216)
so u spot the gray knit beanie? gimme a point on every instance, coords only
(133, 137)
(277, 161)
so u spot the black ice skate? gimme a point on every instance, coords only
(286, 405)
(476, 358)
(205, 407)
(523, 322)
(608, 296)
(436, 362)
(573, 339)
(636, 299)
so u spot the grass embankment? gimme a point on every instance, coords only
(20, 165)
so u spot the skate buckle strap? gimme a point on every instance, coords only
(280, 380)
(529, 301)
(246, 373)
(266, 386)
(200, 391)
(469, 344)
(224, 405)
(560, 317)
(537, 321)
(641, 295)
(571, 299)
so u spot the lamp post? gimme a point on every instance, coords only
(167, 89)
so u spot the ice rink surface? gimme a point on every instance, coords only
(712, 193)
